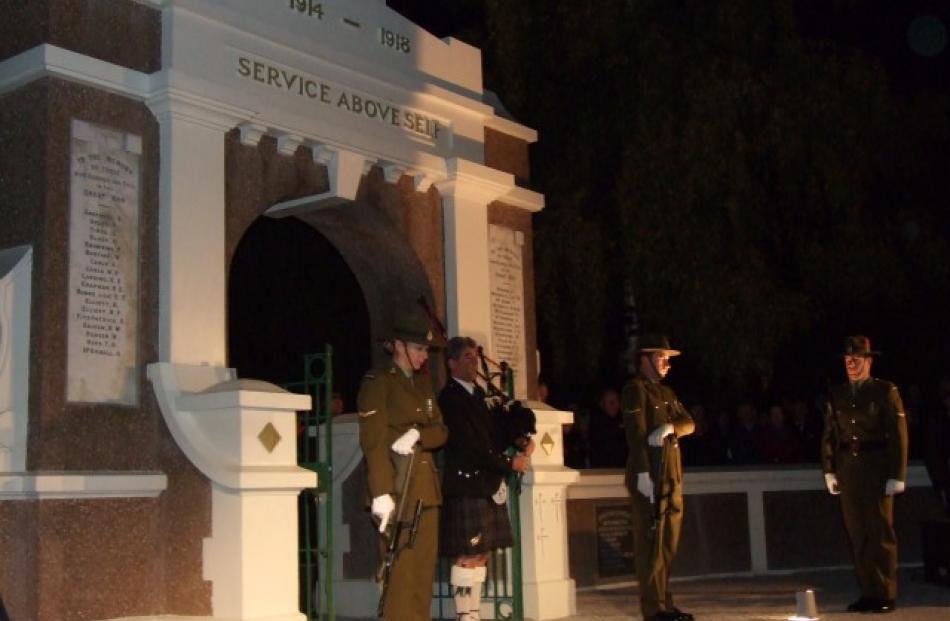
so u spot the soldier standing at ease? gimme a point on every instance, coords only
(654, 419)
(397, 411)
(864, 458)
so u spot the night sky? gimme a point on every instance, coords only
(909, 38)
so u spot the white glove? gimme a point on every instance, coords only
(893, 486)
(382, 507)
(831, 482)
(404, 443)
(656, 436)
(645, 485)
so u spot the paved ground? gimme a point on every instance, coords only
(771, 599)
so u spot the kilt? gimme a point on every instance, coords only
(473, 526)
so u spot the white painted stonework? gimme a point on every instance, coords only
(753, 483)
(81, 485)
(358, 86)
(223, 425)
(352, 598)
(16, 272)
(549, 591)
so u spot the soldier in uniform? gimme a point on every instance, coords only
(398, 416)
(475, 514)
(864, 458)
(654, 419)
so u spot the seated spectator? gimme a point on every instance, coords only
(543, 390)
(337, 405)
(778, 443)
(705, 446)
(743, 436)
(608, 440)
(576, 441)
(807, 425)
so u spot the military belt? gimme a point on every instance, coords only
(857, 446)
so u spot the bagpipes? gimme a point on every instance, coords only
(514, 423)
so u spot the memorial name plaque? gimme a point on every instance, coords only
(615, 541)
(103, 265)
(506, 280)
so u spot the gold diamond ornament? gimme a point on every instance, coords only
(547, 443)
(269, 437)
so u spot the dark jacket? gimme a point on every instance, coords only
(872, 415)
(608, 440)
(474, 463)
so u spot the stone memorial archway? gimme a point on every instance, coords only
(140, 140)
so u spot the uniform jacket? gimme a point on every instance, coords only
(474, 462)
(872, 415)
(647, 405)
(389, 405)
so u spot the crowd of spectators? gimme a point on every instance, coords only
(782, 431)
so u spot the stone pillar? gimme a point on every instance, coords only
(192, 270)
(465, 198)
(241, 434)
(549, 591)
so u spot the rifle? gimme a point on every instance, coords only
(385, 570)
(658, 461)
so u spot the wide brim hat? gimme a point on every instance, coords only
(649, 343)
(414, 328)
(858, 346)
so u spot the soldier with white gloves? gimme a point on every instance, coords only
(654, 419)
(864, 458)
(399, 415)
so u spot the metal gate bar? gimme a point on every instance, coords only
(314, 450)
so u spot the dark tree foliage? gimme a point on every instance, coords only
(764, 192)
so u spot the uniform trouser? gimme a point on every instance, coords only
(653, 557)
(409, 597)
(869, 520)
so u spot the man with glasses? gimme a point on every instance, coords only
(653, 420)
(864, 458)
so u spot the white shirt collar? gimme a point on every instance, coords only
(468, 386)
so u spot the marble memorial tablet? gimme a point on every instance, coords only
(506, 279)
(103, 265)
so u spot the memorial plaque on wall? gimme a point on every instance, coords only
(615, 541)
(103, 265)
(506, 259)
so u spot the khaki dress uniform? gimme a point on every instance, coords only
(864, 444)
(390, 403)
(647, 405)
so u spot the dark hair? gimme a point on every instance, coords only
(457, 345)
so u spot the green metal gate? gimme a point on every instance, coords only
(315, 506)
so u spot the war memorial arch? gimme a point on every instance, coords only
(146, 145)
(191, 188)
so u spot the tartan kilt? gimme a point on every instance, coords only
(473, 526)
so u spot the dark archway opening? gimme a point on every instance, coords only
(290, 292)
